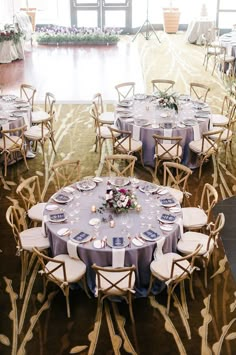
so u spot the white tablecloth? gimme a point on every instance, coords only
(10, 51)
(197, 28)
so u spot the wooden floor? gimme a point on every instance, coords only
(74, 73)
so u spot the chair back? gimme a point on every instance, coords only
(162, 85)
(30, 192)
(199, 91)
(114, 281)
(209, 198)
(229, 107)
(209, 146)
(166, 148)
(16, 219)
(49, 103)
(215, 229)
(120, 164)
(98, 103)
(121, 141)
(66, 172)
(93, 112)
(176, 175)
(125, 90)
(50, 268)
(28, 92)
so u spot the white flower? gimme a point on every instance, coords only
(119, 204)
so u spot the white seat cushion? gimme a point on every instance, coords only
(33, 237)
(106, 133)
(35, 132)
(219, 119)
(107, 117)
(75, 269)
(36, 212)
(194, 217)
(173, 151)
(190, 240)
(178, 195)
(196, 146)
(39, 116)
(161, 267)
(114, 277)
(227, 134)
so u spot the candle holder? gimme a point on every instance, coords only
(138, 208)
(112, 223)
(93, 208)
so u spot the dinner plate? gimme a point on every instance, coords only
(117, 242)
(62, 198)
(189, 122)
(166, 227)
(142, 122)
(148, 187)
(140, 96)
(175, 209)
(150, 235)
(69, 189)
(185, 97)
(81, 237)
(125, 103)
(9, 97)
(163, 191)
(57, 217)
(94, 221)
(86, 185)
(119, 181)
(126, 114)
(137, 242)
(168, 202)
(167, 218)
(98, 179)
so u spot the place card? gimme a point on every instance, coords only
(167, 202)
(150, 235)
(81, 237)
(118, 242)
(61, 198)
(57, 217)
(167, 218)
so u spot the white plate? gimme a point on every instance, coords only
(94, 221)
(148, 187)
(163, 192)
(62, 198)
(137, 242)
(125, 103)
(63, 231)
(167, 202)
(86, 185)
(126, 115)
(166, 228)
(140, 96)
(119, 181)
(98, 244)
(142, 122)
(167, 218)
(150, 235)
(190, 122)
(175, 209)
(53, 218)
(51, 207)
(69, 189)
(163, 115)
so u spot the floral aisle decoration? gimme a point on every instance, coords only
(76, 35)
(166, 100)
(10, 33)
(119, 200)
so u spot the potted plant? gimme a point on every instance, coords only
(171, 17)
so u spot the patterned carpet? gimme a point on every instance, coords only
(28, 326)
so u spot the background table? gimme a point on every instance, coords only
(9, 51)
(144, 109)
(79, 214)
(197, 28)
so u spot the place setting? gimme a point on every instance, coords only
(86, 185)
(62, 198)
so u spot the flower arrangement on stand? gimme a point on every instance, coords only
(10, 33)
(119, 200)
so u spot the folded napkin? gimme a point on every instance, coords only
(196, 132)
(45, 219)
(118, 257)
(179, 221)
(136, 133)
(72, 249)
(168, 133)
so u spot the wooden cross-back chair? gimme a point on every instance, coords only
(27, 92)
(190, 240)
(221, 60)
(63, 271)
(176, 177)
(198, 217)
(166, 149)
(206, 147)
(123, 143)
(173, 269)
(120, 164)
(49, 109)
(25, 238)
(12, 142)
(30, 193)
(125, 90)
(115, 282)
(228, 110)
(66, 172)
(199, 91)
(105, 117)
(162, 85)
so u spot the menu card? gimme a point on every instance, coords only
(62, 198)
(167, 217)
(57, 216)
(150, 234)
(117, 242)
(81, 236)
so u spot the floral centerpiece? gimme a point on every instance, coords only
(119, 200)
(10, 33)
(167, 100)
(76, 35)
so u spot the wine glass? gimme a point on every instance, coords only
(96, 227)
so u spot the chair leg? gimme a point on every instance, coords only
(130, 307)
(66, 293)
(24, 268)
(150, 284)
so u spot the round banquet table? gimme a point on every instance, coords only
(14, 112)
(78, 216)
(144, 118)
